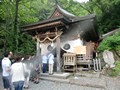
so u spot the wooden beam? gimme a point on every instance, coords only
(49, 34)
(110, 33)
(44, 25)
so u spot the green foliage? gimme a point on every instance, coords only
(107, 13)
(108, 16)
(7, 32)
(34, 10)
(26, 45)
(110, 43)
(75, 8)
(116, 70)
(29, 11)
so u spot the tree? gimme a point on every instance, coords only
(107, 13)
(13, 15)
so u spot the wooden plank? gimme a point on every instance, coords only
(80, 49)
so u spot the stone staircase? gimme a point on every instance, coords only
(55, 75)
(81, 78)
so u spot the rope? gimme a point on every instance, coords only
(47, 37)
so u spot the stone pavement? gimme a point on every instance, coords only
(85, 79)
(78, 81)
(55, 85)
(48, 85)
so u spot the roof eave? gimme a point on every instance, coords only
(77, 19)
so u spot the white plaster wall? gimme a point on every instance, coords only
(73, 43)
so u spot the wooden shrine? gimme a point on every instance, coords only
(63, 32)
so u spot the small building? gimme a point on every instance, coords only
(64, 32)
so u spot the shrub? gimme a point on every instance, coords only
(110, 43)
(116, 70)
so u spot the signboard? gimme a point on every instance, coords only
(80, 49)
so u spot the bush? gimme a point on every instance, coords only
(115, 71)
(110, 43)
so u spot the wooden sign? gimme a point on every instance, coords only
(80, 49)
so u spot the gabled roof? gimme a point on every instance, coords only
(58, 18)
(59, 11)
(64, 20)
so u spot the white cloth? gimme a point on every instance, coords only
(51, 58)
(44, 59)
(17, 71)
(6, 63)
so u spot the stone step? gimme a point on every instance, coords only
(90, 82)
(88, 74)
(77, 80)
(54, 79)
(57, 75)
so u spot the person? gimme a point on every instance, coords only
(44, 63)
(17, 72)
(11, 57)
(34, 69)
(40, 63)
(6, 70)
(50, 62)
(28, 67)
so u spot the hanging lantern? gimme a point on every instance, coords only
(52, 44)
(40, 46)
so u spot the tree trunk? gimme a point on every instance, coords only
(7, 26)
(15, 25)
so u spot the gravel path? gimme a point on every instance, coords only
(48, 85)
(111, 84)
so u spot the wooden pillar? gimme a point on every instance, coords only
(37, 47)
(38, 54)
(58, 54)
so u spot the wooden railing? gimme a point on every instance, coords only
(71, 62)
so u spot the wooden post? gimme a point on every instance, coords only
(58, 54)
(38, 47)
(38, 54)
